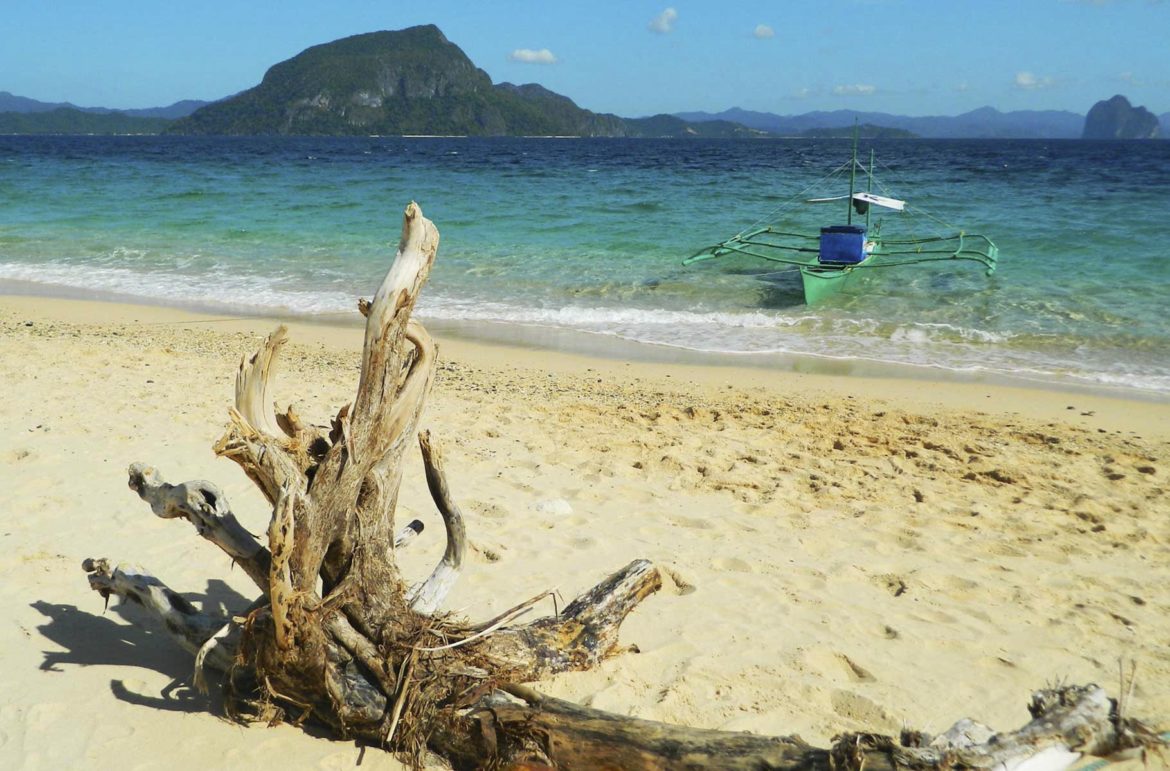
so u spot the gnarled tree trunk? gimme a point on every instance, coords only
(337, 636)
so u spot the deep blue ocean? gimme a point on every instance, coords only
(587, 236)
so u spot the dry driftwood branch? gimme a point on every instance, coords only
(186, 625)
(252, 383)
(427, 597)
(206, 507)
(337, 636)
(1067, 723)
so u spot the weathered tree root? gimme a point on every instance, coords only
(1067, 723)
(337, 636)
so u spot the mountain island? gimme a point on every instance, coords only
(413, 81)
(1116, 118)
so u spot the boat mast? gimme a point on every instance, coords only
(852, 178)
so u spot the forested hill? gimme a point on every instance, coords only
(411, 81)
(70, 120)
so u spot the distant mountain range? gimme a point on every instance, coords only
(416, 81)
(21, 115)
(12, 103)
(983, 123)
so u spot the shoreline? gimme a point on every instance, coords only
(608, 346)
(838, 553)
(947, 387)
(613, 346)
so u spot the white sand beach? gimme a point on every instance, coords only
(840, 553)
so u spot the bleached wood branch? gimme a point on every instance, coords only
(1071, 723)
(355, 485)
(582, 635)
(591, 621)
(427, 597)
(206, 507)
(253, 380)
(382, 354)
(262, 457)
(183, 623)
(218, 653)
(400, 420)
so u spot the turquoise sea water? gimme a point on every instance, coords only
(587, 236)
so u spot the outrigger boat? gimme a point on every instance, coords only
(827, 261)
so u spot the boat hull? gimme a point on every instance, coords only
(821, 282)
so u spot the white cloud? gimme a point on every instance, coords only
(528, 56)
(855, 89)
(1133, 80)
(663, 23)
(763, 32)
(1028, 81)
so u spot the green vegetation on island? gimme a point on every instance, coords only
(412, 81)
(68, 120)
(671, 126)
(864, 131)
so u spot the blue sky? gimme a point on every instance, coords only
(630, 57)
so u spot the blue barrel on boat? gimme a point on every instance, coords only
(842, 245)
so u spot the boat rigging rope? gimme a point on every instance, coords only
(915, 209)
(771, 216)
(910, 211)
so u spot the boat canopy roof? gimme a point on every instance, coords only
(870, 198)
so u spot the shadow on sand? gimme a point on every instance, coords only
(135, 640)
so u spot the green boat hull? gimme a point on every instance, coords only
(822, 282)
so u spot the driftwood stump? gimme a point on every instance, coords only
(336, 636)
